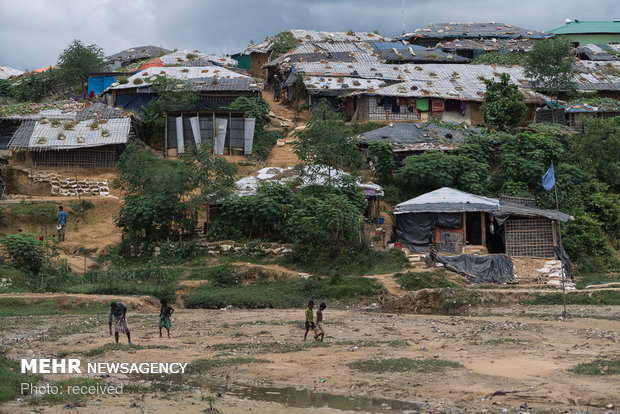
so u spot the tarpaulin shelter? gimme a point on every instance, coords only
(455, 218)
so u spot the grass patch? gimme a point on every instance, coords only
(12, 378)
(424, 280)
(600, 297)
(111, 347)
(18, 307)
(63, 397)
(403, 365)
(596, 279)
(281, 293)
(599, 367)
(282, 348)
(32, 213)
(354, 263)
(203, 365)
(56, 332)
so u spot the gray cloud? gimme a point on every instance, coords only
(34, 32)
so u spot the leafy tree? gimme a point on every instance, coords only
(6, 87)
(332, 223)
(382, 156)
(434, 169)
(77, 61)
(34, 87)
(171, 95)
(282, 43)
(210, 174)
(598, 150)
(550, 66)
(586, 243)
(503, 103)
(153, 207)
(325, 146)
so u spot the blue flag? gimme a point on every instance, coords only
(548, 180)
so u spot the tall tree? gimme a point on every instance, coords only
(550, 66)
(327, 144)
(77, 61)
(503, 103)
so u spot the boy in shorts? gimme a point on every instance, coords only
(310, 321)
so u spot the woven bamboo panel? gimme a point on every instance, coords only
(529, 237)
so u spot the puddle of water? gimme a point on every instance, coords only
(301, 398)
(293, 397)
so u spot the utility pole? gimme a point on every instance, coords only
(402, 13)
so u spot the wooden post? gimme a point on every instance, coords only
(229, 133)
(483, 228)
(213, 138)
(464, 231)
(166, 136)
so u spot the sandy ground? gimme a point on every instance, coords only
(525, 351)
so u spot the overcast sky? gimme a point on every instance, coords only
(34, 32)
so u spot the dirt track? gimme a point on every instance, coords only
(529, 356)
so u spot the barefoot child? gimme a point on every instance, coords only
(118, 315)
(164, 316)
(319, 322)
(310, 321)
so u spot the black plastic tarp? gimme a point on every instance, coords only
(495, 268)
(134, 101)
(414, 229)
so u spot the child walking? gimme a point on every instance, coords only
(319, 322)
(310, 321)
(164, 316)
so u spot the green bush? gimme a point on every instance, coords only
(351, 262)
(220, 276)
(425, 280)
(282, 293)
(26, 251)
(12, 378)
(586, 243)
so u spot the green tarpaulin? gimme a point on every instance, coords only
(421, 104)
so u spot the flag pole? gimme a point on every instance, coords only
(562, 272)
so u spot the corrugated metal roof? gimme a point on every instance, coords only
(225, 85)
(597, 76)
(136, 53)
(324, 51)
(472, 30)
(34, 136)
(262, 47)
(411, 53)
(320, 36)
(462, 89)
(513, 45)
(67, 110)
(6, 72)
(600, 52)
(592, 27)
(178, 72)
(316, 36)
(405, 134)
(181, 57)
(343, 83)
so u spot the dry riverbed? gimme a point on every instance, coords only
(255, 360)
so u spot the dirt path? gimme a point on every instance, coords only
(69, 300)
(531, 358)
